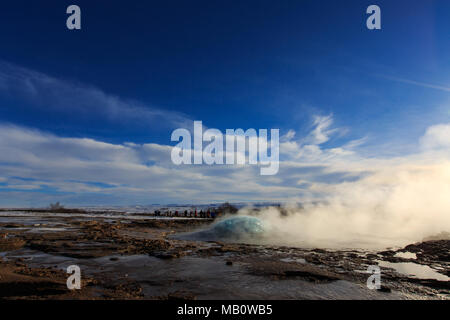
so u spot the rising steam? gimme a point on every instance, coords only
(396, 205)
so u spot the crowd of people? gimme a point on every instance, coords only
(210, 213)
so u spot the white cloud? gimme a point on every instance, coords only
(130, 173)
(70, 98)
(436, 137)
(288, 136)
(322, 130)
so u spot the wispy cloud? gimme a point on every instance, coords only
(419, 83)
(51, 94)
(145, 171)
(84, 171)
(322, 130)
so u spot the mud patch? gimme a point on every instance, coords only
(286, 270)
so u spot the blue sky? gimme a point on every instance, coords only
(104, 100)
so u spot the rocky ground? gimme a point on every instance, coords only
(138, 259)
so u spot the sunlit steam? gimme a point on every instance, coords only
(394, 206)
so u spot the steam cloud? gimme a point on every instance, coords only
(396, 205)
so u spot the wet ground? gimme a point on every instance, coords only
(140, 257)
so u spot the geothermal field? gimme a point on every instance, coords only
(138, 255)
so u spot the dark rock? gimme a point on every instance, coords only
(181, 295)
(384, 289)
(166, 256)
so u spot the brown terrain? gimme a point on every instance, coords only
(139, 259)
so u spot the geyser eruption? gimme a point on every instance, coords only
(395, 206)
(235, 229)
